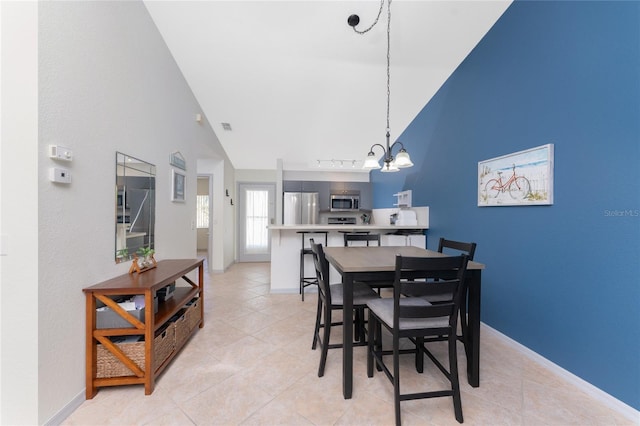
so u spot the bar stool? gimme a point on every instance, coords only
(354, 232)
(306, 281)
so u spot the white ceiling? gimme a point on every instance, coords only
(296, 83)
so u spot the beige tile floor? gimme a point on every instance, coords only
(252, 364)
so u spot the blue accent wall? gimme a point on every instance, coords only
(563, 280)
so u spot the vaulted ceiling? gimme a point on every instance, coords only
(296, 83)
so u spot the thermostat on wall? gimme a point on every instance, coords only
(58, 152)
(57, 174)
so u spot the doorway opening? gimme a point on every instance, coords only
(203, 217)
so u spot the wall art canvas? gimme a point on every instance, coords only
(522, 178)
(178, 184)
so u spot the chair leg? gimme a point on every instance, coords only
(378, 340)
(325, 340)
(302, 274)
(359, 333)
(420, 354)
(463, 321)
(317, 328)
(396, 378)
(453, 372)
(370, 343)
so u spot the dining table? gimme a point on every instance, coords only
(371, 264)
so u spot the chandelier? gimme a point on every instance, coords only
(402, 159)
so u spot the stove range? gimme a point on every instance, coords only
(341, 220)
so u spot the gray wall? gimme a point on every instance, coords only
(106, 82)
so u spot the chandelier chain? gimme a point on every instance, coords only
(374, 22)
(388, 60)
(402, 160)
(388, 50)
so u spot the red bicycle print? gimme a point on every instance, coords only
(518, 187)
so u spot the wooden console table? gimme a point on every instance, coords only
(146, 283)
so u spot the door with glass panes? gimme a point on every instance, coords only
(256, 204)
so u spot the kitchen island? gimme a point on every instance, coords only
(286, 242)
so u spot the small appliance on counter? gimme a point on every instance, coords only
(404, 218)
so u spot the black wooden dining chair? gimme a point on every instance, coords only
(457, 248)
(369, 239)
(330, 298)
(451, 247)
(419, 320)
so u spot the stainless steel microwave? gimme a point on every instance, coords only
(345, 203)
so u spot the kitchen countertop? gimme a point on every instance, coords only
(325, 227)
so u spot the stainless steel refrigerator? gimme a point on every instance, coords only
(300, 208)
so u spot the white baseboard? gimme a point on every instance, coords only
(292, 290)
(67, 410)
(615, 404)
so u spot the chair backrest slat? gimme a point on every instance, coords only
(322, 271)
(433, 311)
(419, 289)
(467, 248)
(414, 276)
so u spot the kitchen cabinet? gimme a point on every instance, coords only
(324, 195)
(366, 196)
(340, 188)
(416, 240)
(326, 188)
(348, 187)
(393, 240)
(313, 186)
(305, 186)
(291, 186)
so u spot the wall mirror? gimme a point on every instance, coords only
(135, 206)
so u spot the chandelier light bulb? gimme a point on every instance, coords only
(389, 167)
(402, 159)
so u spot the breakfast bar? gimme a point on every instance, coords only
(285, 247)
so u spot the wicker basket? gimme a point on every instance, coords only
(186, 322)
(193, 314)
(110, 366)
(163, 345)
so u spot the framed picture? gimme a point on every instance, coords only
(178, 186)
(522, 178)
